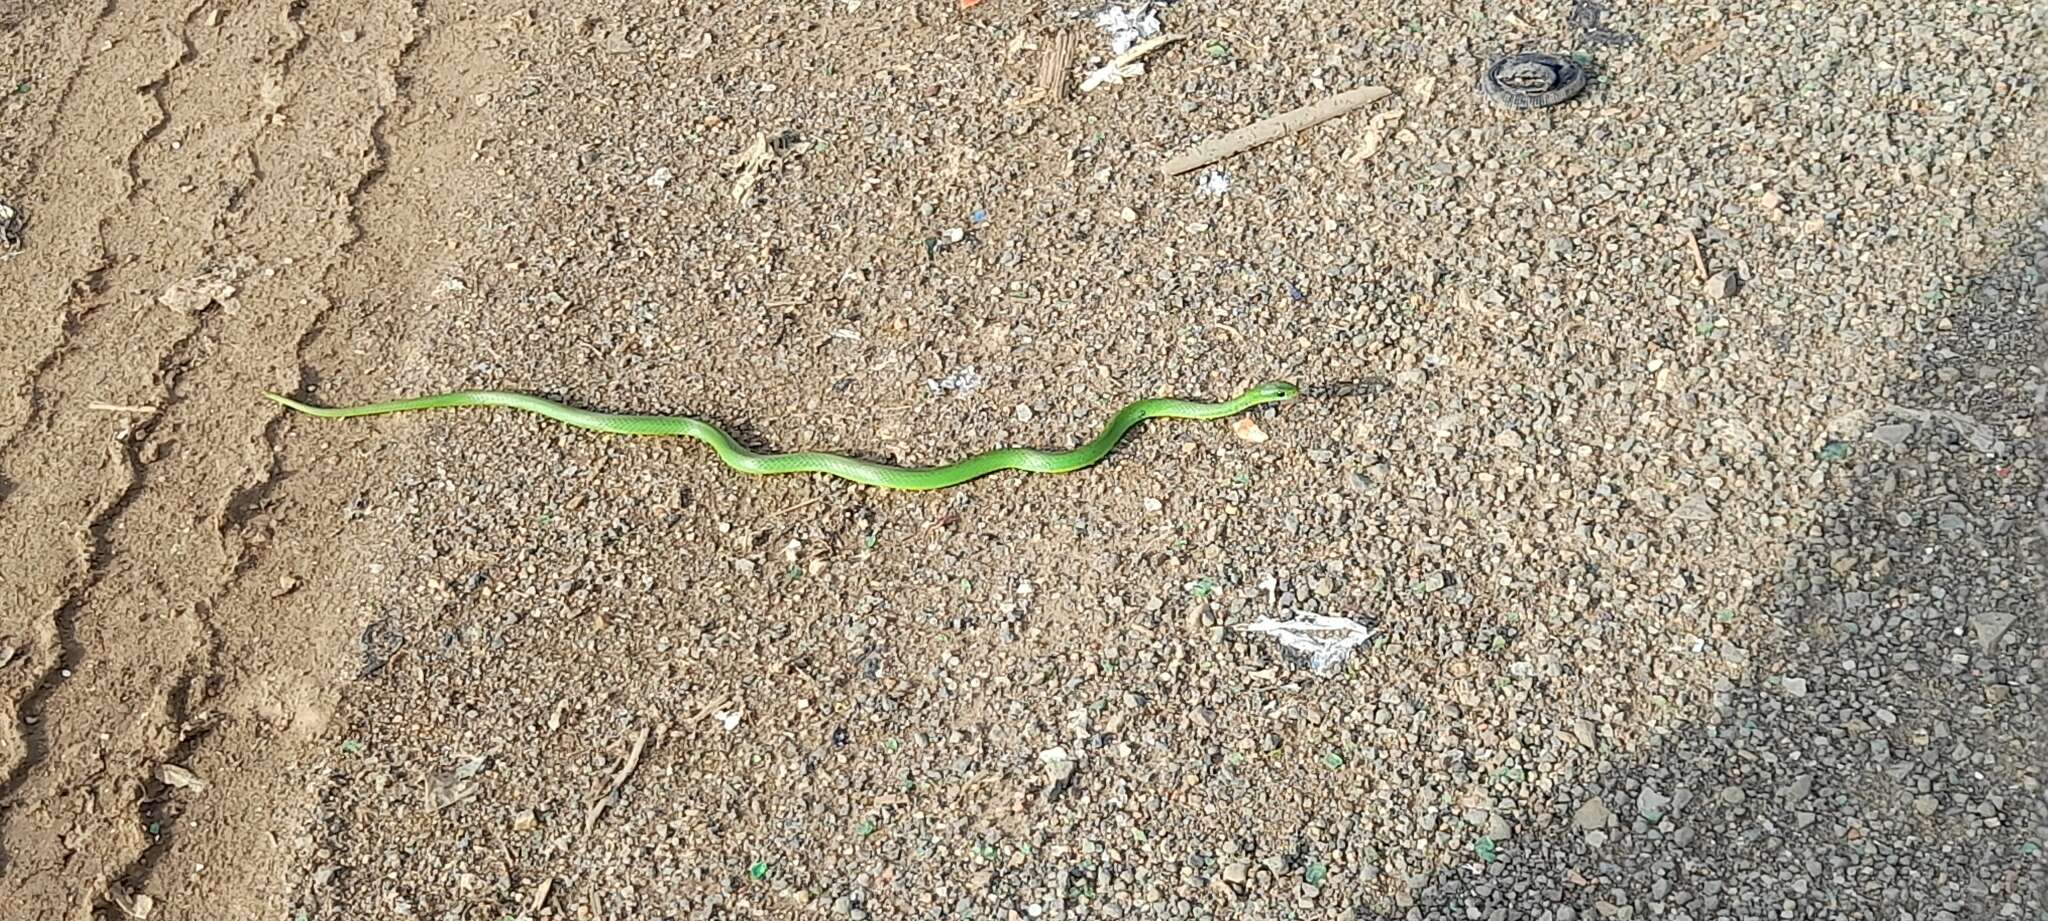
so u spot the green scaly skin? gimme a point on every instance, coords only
(849, 468)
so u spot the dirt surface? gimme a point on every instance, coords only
(1682, 445)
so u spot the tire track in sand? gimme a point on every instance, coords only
(129, 652)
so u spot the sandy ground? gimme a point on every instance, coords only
(1692, 598)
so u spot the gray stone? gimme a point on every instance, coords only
(1593, 814)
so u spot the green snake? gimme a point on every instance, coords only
(839, 465)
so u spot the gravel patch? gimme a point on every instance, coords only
(1677, 614)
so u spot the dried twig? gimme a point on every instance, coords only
(1272, 129)
(1699, 256)
(626, 769)
(97, 406)
(807, 503)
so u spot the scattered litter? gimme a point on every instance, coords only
(456, 786)
(10, 226)
(706, 709)
(1707, 42)
(1272, 129)
(1128, 64)
(1247, 431)
(1328, 641)
(472, 767)
(618, 40)
(1055, 67)
(1109, 74)
(660, 178)
(1127, 26)
(174, 776)
(730, 719)
(199, 292)
(765, 154)
(1976, 433)
(626, 768)
(1059, 770)
(1722, 284)
(1694, 508)
(137, 905)
(747, 167)
(959, 383)
(1213, 182)
(1376, 132)
(1893, 435)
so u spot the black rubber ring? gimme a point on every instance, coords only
(1532, 80)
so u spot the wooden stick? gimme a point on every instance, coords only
(1054, 65)
(1272, 129)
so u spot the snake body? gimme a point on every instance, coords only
(870, 473)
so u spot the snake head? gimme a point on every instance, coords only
(1275, 391)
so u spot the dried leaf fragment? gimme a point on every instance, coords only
(198, 292)
(174, 776)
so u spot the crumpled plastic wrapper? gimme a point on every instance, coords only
(1328, 641)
